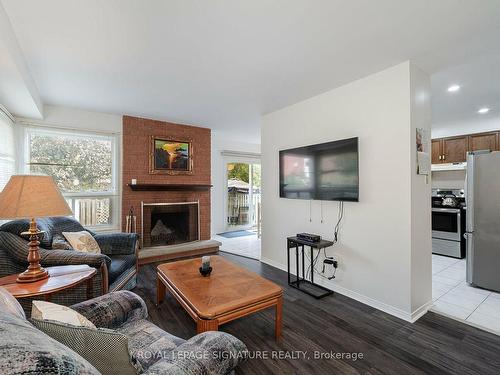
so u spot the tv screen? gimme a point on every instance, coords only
(326, 171)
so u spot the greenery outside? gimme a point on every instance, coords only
(241, 171)
(77, 164)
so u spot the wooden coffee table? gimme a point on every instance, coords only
(61, 278)
(229, 293)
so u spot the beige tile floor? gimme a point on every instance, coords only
(453, 297)
(248, 246)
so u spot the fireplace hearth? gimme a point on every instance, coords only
(165, 224)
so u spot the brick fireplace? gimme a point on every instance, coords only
(158, 193)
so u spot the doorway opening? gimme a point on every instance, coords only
(465, 186)
(243, 197)
(242, 208)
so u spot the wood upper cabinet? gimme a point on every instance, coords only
(483, 141)
(455, 149)
(436, 151)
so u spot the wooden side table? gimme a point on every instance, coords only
(60, 278)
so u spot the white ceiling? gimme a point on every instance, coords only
(224, 63)
(456, 113)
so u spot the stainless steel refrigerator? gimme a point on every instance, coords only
(483, 219)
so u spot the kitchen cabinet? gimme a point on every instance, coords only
(483, 141)
(455, 149)
(436, 151)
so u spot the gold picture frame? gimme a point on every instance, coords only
(170, 156)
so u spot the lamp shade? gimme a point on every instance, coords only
(26, 197)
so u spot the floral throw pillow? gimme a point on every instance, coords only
(82, 241)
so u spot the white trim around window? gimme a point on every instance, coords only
(112, 194)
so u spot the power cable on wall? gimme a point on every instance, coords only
(336, 232)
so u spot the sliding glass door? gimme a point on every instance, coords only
(243, 196)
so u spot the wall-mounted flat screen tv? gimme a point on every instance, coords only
(326, 171)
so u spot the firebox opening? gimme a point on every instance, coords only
(169, 228)
(170, 224)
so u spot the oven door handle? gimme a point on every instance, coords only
(446, 210)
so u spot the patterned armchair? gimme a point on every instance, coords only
(153, 351)
(156, 351)
(116, 266)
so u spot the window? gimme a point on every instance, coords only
(84, 167)
(7, 149)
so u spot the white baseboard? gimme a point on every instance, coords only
(421, 311)
(273, 263)
(409, 317)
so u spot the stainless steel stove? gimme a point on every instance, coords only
(448, 222)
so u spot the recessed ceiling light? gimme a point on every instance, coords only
(453, 88)
(483, 110)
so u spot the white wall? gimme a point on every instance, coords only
(482, 123)
(18, 90)
(377, 240)
(421, 243)
(77, 119)
(221, 143)
(448, 179)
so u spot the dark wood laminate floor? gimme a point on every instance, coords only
(433, 345)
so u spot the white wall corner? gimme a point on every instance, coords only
(421, 242)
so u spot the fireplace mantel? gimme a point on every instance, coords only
(169, 187)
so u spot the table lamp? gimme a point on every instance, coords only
(29, 197)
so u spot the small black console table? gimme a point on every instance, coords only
(300, 283)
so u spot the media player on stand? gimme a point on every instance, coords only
(309, 237)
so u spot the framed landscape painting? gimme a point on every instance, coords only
(169, 156)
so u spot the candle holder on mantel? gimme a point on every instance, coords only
(205, 268)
